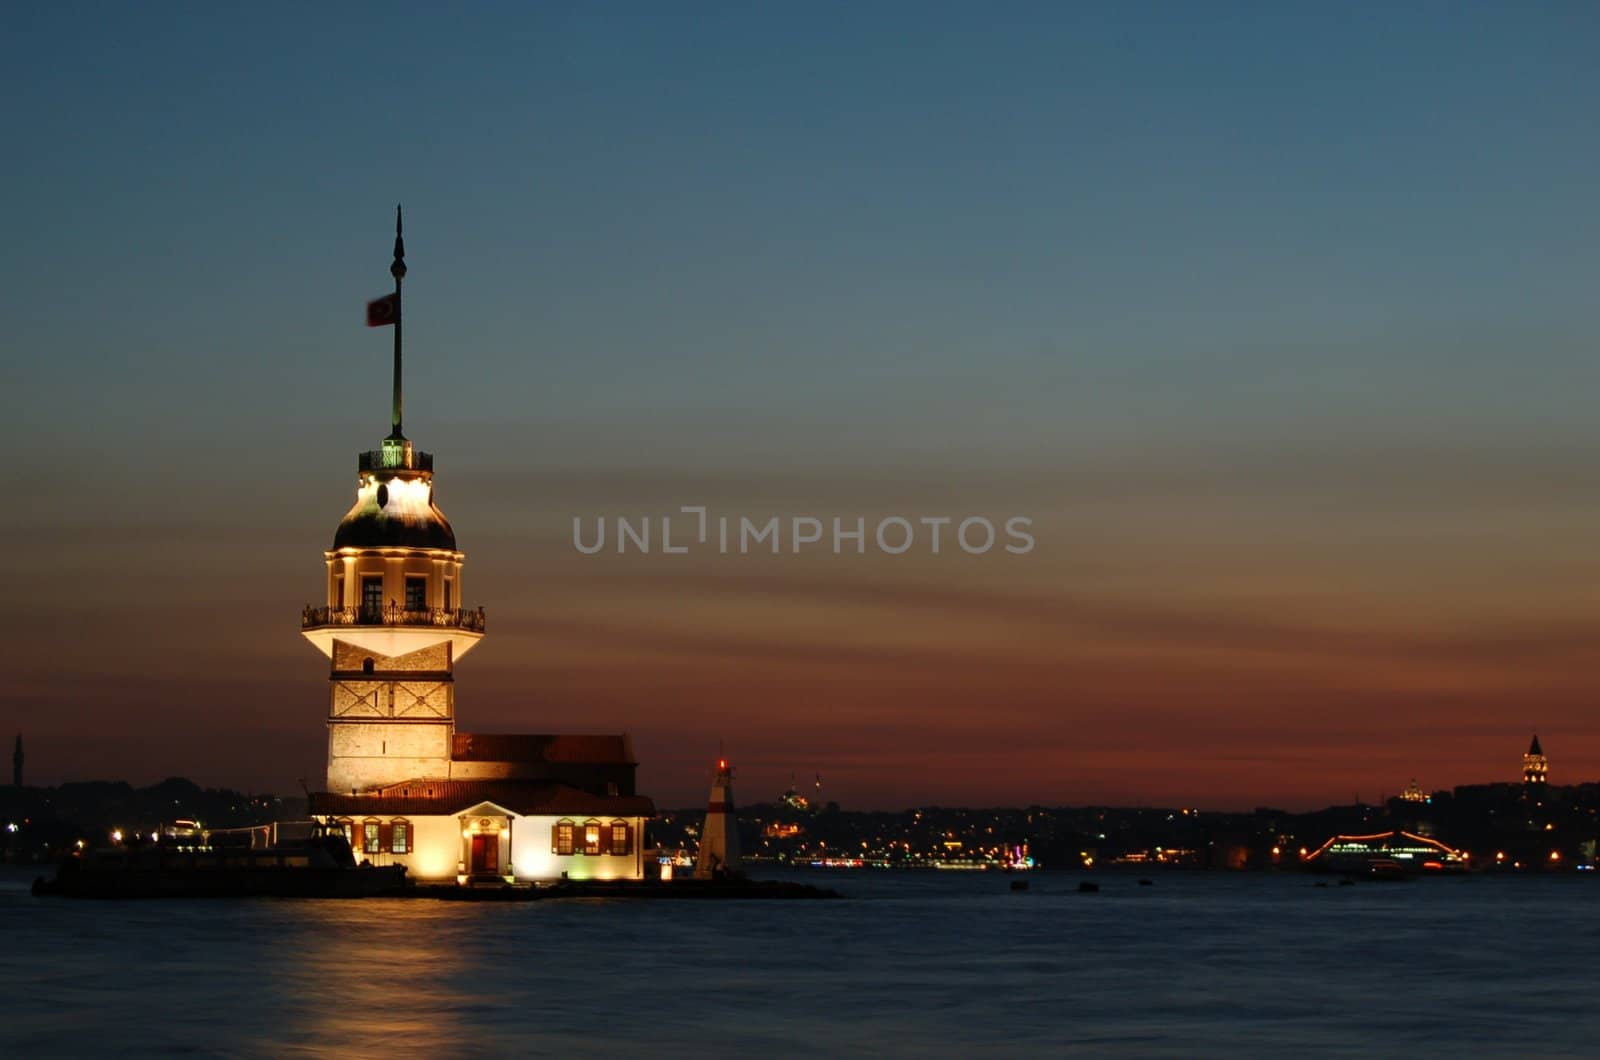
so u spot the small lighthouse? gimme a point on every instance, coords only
(719, 839)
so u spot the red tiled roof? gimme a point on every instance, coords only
(425, 798)
(562, 747)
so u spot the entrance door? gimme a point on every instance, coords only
(485, 855)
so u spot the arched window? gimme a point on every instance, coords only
(619, 838)
(367, 665)
(561, 837)
(591, 836)
(400, 836)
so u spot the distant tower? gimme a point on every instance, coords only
(16, 763)
(719, 839)
(393, 626)
(1534, 765)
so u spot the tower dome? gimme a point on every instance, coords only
(394, 505)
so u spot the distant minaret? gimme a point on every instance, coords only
(719, 839)
(16, 763)
(1534, 765)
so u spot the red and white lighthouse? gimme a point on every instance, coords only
(719, 839)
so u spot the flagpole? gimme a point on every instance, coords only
(398, 271)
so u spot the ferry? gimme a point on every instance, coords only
(1386, 855)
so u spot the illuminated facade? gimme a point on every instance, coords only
(392, 626)
(405, 786)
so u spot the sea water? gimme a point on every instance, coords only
(912, 964)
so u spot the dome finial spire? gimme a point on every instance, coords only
(398, 270)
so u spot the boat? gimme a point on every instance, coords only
(1392, 855)
(318, 866)
(1387, 869)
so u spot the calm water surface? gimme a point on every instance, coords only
(916, 964)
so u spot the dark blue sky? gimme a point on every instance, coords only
(1266, 272)
(761, 203)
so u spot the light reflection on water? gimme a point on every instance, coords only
(920, 964)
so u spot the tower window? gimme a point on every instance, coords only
(367, 665)
(372, 595)
(416, 594)
(448, 585)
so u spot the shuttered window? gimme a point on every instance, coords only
(619, 838)
(371, 837)
(591, 837)
(561, 837)
(400, 837)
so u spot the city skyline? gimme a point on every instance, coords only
(1292, 384)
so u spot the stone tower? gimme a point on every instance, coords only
(1534, 765)
(393, 625)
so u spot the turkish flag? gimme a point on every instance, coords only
(383, 311)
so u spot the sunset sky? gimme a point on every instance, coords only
(1281, 327)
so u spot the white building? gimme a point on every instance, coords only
(404, 783)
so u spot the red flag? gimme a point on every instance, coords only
(383, 311)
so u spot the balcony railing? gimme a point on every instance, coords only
(395, 458)
(468, 619)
